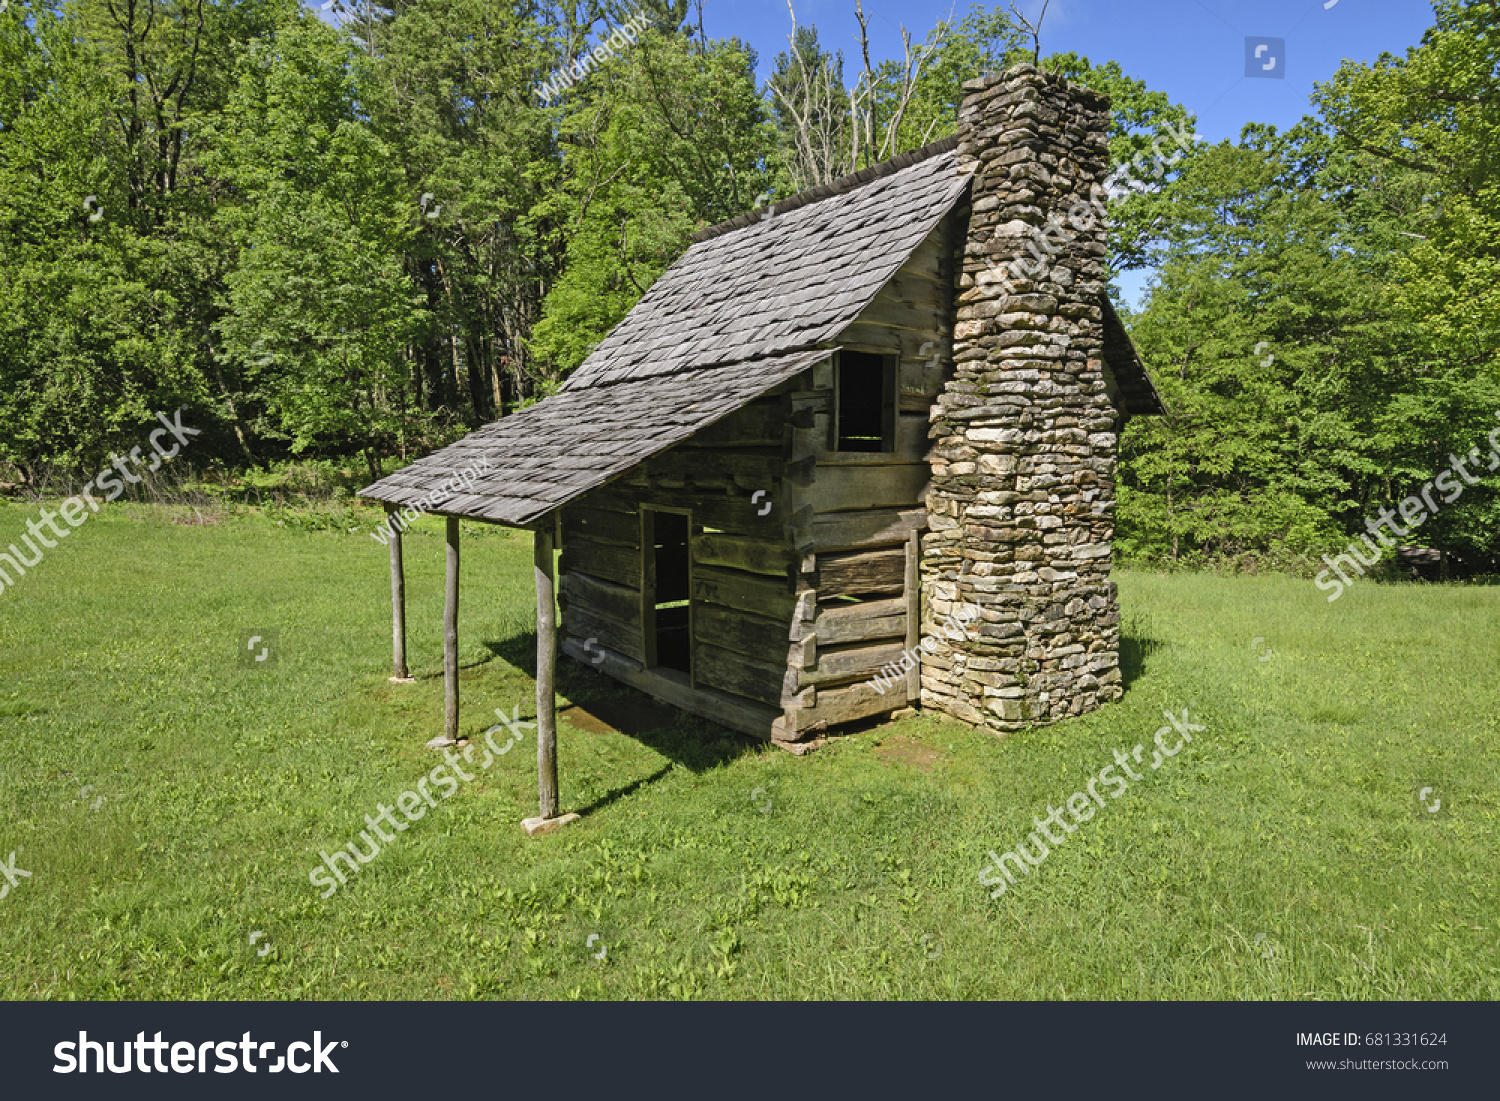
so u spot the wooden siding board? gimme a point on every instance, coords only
(734, 712)
(861, 573)
(743, 591)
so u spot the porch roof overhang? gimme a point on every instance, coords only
(519, 470)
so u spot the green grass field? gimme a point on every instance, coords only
(170, 801)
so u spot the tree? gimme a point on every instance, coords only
(319, 306)
(668, 138)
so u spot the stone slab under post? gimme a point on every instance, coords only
(536, 827)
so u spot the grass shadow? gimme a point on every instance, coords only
(621, 793)
(1137, 648)
(598, 704)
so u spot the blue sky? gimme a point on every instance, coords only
(1194, 50)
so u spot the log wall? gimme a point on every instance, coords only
(802, 572)
(732, 477)
(853, 517)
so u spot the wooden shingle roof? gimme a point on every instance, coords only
(523, 467)
(749, 305)
(789, 277)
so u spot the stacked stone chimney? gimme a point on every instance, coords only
(1023, 494)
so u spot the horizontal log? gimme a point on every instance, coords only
(912, 445)
(864, 336)
(601, 524)
(747, 469)
(758, 424)
(861, 573)
(583, 592)
(895, 314)
(727, 671)
(854, 663)
(585, 623)
(917, 289)
(611, 561)
(737, 514)
(755, 636)
(870, 621)
(873, 527)
(733, 712)
(845, 488)
(767, 556)
(844, 705)
(744, 591)
(933, 257)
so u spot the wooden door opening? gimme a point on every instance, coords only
(668, 590)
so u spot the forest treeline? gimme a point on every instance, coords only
(353, 238)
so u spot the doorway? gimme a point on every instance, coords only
(668, 590)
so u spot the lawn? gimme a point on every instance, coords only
(170, 799)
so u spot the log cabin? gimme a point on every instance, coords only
(833, 429)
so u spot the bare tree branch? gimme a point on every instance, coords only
(1033, 29)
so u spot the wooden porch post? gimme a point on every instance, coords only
(546, 674)
(450, 636)
(398, 600)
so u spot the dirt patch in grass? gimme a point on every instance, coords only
(903, 751)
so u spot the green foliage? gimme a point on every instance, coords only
(318, 305)
(663, 140)
(1324, 323)
(353, 244)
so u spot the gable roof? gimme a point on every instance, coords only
(791, 277)
(753, 302)
(750, 304)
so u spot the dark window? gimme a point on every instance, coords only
(865, 393)
(670, 609)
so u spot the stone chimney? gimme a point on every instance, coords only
(1023, 492)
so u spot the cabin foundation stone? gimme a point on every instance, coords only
(1023, 494)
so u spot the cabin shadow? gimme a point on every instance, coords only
(602, 705)
(1137, 648)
